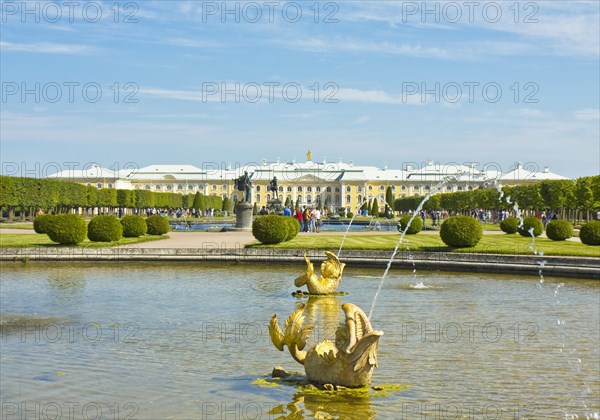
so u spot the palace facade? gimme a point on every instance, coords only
(333, 184)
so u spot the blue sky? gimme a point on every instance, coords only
(458, 82)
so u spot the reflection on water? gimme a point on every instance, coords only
(187, 341)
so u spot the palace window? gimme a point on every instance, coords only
(201, 186)
(460, 188)
(147, 187)
(309, 189)
(289, 189)
(393, 188)
(348, 199)
(98, 185)
(268, 197)
(370, 187)
(180, 187)
(359, 198)
(427, 188)
(158, 187)
(359, 188)
(190, 187)
(328, 189)
(403, 188)
(224, 187)
(169, 187)
(309, 198)
(382, 187)
(299, 189)
(299, 198)
(214, 187)
(318, 189)
(337, 189)
(348, 188)
(258, 198)
(258, 188)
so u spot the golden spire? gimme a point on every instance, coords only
(309, 156)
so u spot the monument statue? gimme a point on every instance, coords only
(309, 156)
(348, 362)
(243, 184)
(331, 275)
(273, 187)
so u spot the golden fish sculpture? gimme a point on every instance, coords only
(331, 275)
(348, 362)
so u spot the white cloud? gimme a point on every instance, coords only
(587, 114)
(531, 112)
(45, 48)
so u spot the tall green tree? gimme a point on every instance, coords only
(374, 209)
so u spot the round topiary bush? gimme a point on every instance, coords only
(134, 226)
(41, 223)
(510, 225)
(66, 229)
(105, 229)
(414, 228)
(531, 223)
(590, 233)
(293, 227)
(270, 229)
(559, 230)
(157, 225)
(350, 215)
(461, 231)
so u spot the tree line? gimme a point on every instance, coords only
(28, 195)
(571, 199)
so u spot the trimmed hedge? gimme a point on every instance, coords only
(273, 229)
(104, 229)
(510, 225)
(531, 222)
(134, 226)
(590, 233)
(157, 225)
(66, 229)
(41, 223)
(559, 230)
(415, 227)
(293, 227)
(461, 231)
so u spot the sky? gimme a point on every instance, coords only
(127, 84)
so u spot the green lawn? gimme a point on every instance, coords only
(489, 244)
(23, 225)
(17, 240)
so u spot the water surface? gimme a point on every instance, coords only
(186, 340)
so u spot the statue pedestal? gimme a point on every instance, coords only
(275, 206)
(243, 215)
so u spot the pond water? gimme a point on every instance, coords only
(384, 225)
(187, 340)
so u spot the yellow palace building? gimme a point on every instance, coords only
(308, 183)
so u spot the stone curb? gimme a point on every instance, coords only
(577, 267)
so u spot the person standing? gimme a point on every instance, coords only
(299, 218)
(317, 214)
(306, 219)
